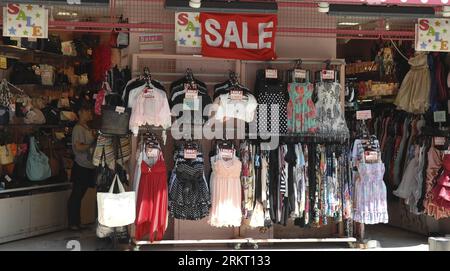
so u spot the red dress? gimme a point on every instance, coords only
(152, 201)
(441, 192)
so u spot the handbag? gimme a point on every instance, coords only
(68, 48)
(103, 231)
(47, 75)
(5, 95)
(34, 116)
(106, 142)
(115, 120)
(7, 153)
(38, 167)
(52, 44)
(52, 115)
(68, 116)
(104, 175)
(119, 168)
(4, 115)
(19, 173)
(116, 210)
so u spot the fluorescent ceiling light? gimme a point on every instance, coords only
(223, 6)
(381, 11)
(348, 23)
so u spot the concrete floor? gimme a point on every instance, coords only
(389, 238)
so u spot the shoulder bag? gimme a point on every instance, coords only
(38, 167)
(116, 210)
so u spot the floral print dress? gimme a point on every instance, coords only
(301, 110)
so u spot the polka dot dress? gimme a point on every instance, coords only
(272, 110)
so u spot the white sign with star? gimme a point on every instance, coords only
(433, 35)
(188, 29)
(25, 21)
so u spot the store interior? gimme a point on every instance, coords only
(337, 176)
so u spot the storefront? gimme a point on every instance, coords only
(262, 123)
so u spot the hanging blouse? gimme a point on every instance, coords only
(151, 107)
(228, 108)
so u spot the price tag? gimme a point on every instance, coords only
(8, 179)
(191, 94)
(226, 153)
(148, 93)
(152, 152)
(328, 74)
(120, 109)
(271, 73)
(190, 153)
(3, 63)
(439, 141)
(299, 74)
(363, 114)
(440, 116)
(191, 104)
(371, 156)
(236, 94)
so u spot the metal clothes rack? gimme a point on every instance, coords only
(173, 65)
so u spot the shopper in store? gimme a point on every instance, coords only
(83, 171)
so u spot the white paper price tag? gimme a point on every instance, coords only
(328, 74)
(236, 94)
(226, 153)
(190, 153)
(440, 116)
(299, 74)
(271, 74)
(120, 109)
(191, 94)
(439, 141)
(363, 114)
(8, 179)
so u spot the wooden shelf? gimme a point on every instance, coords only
(32, 125)
(38, 56)
(35, 187)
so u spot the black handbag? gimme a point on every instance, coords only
(52, 115)
(104, 176)
(4, 115)
(23, 73)
(52, 44)
(115, 120)
(119, 170)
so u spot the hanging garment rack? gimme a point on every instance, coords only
(240, 70)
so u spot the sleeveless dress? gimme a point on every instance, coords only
(330, 117)
(151, 207)
(226, 194)
(301, 110)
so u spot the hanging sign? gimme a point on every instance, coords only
(150, 42)
(363, 114)
(238, 36)
(25, 21)
(188, 29)
(440, 116)
(433, 35)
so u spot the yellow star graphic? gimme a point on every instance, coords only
(438, 23)
(29, 7)
(197, 18)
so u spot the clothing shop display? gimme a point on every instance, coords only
(152, 199)
(226, 193)
(413, 95)
(370, 194)
(301, 111)
(189, 195)
(330, 115)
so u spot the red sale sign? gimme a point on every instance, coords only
(238, 36)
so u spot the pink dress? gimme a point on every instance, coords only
(226, 194)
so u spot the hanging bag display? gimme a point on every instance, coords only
(115, 120)
(116, 210)
(7, 153)
(104, 174)
(38, 167)
(106, 142)
(4, 115)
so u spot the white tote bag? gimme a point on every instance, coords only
(116, 210)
